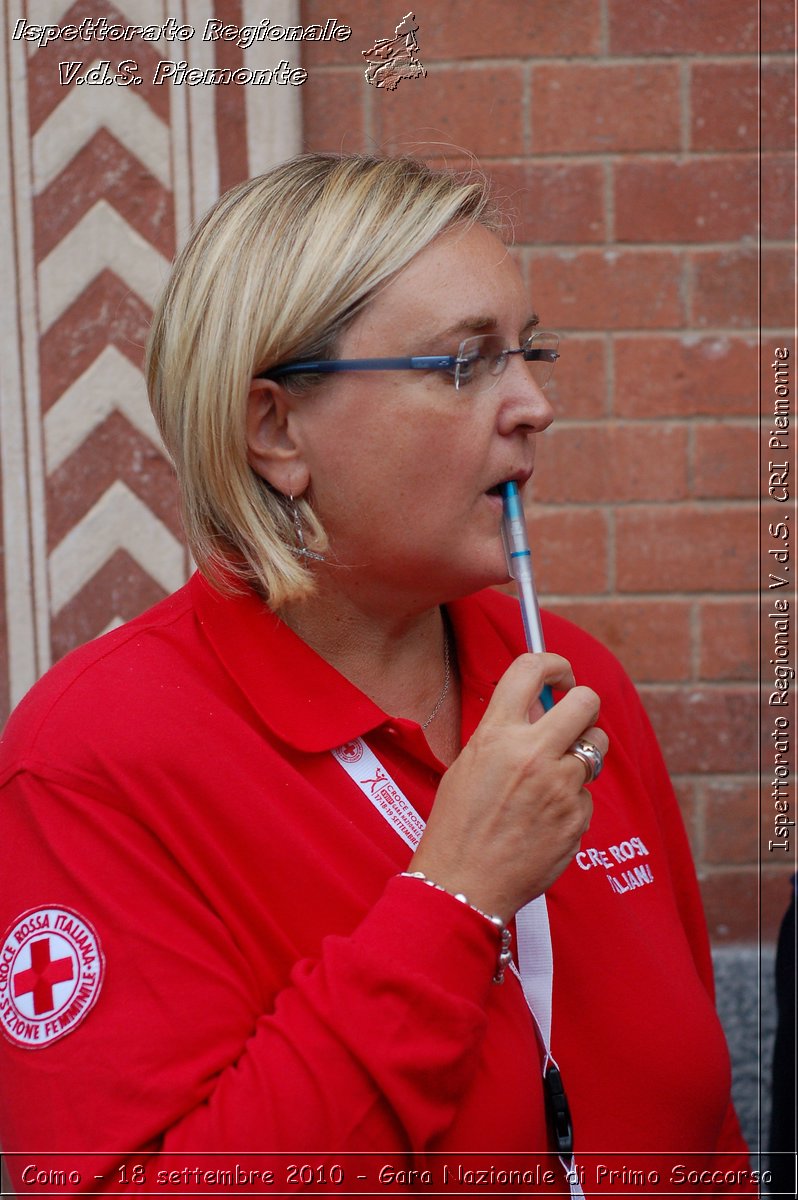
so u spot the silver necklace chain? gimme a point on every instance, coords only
(447, 675)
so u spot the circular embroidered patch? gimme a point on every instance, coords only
(51, 971)
(350, 752)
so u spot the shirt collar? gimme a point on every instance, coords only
(301, 698)
(306, 702)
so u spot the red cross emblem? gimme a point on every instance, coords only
(350, 752)
(51, 973)
(42, 974)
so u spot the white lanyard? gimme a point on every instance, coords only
(531, 922)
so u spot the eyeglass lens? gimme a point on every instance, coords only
(482, 359)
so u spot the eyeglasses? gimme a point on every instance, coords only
(477, 365)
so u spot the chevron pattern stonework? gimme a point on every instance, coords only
(102, 186)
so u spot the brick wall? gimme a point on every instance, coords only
(625, 135)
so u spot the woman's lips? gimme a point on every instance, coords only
(520, 477)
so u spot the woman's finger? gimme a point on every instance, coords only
(522, 683)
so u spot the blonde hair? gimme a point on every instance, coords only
(276, 271)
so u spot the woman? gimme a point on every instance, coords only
(286, 949)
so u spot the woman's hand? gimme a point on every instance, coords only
(511, 810)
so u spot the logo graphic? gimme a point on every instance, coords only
(383, 788)
(393, 59)
(350, 752)
(51, 970)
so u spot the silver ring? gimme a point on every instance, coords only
(590, 756)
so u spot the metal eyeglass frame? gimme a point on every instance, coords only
(428, 362)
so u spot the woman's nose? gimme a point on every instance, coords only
(523, 402)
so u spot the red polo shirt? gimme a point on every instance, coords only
(271, 986)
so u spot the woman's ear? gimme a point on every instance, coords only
(272, 450)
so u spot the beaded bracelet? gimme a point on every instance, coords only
(505, 953)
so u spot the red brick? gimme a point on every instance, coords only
(650, 637)
(705, 731)
(724, 291)
(697, 200)
(692, 814)
(731, 904)
(684, 376)
(468, 30)
(570, 550)
(724, 106)
(777, 19)
(778, 288)
(686, 548)
(725, 461)
(778, 204)
(594, 464)
(733, 823)
(515, 30)
(608, 289)
(367, 22)
(479, 110)
(579, 108)
(464, 30)
(778, 106)
(683, 27)
(333, 111)
(727, 640)
(742, 908)
(578, 387)
(552, 202)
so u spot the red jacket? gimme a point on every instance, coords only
(270, 987)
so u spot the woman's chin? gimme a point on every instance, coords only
(493, 573)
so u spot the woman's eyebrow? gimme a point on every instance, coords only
(482, 324)
(476, 324)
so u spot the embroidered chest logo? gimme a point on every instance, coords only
(51, 971)
(627, 872)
